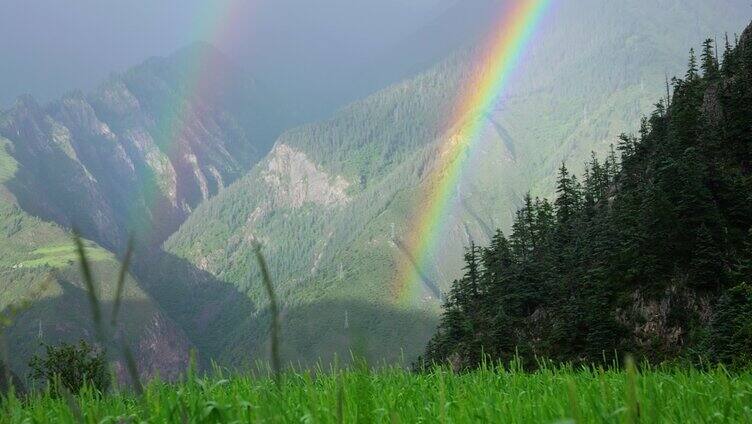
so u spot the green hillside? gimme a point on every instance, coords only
(8, 165)
(330, 202)
(40, 275)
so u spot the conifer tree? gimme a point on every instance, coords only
(728, 64)
(731, 330)
(742, 271)
(709, 61)
(707, 262)
(692, 68)
(568, 198)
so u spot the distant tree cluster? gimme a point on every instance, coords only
(650, 253)
(72, 366)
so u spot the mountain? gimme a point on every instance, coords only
(650, 255)
(140, 152)
(330, 203)
(132, 158)
(185, 153)
(44, 297)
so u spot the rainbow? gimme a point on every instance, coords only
(499, 57)
(214, 22)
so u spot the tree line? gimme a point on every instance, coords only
(648, 253)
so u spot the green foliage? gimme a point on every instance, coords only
(8, 165)
(489, 394)
(731, 330)
(62, 256)
(73, 366)
(644, 257)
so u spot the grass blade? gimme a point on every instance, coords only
(121, 281)
(96, 311)
(274, 312)
(130, 364)
(633, 406)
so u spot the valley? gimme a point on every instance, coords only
(197, 160)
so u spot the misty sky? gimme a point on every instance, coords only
(48, 47)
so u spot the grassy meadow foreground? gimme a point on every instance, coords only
(489, 394)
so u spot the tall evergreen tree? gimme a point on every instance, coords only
(709, 61)
(568, 197)
(691, 74)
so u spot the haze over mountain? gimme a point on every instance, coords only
(199, 159)
(311, 51)
(331, 201)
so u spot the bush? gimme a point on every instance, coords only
(8, 380)
(731, 329)
(73, 366)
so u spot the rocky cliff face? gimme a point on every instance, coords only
(281, 191)
(163, 349)
(295, 180)
(138, 154)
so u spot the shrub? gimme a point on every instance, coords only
(73, 366)
(731, 329)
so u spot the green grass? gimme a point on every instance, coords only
(62, 255)
(8, 165)
(393, 395)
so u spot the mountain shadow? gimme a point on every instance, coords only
(206, 307)
(159, 346)
(8, 379)
(332, 332)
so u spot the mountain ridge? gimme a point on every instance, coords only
(142, 139)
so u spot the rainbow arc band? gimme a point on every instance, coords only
(214, 24)
(499, 57)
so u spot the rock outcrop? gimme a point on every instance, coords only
(295, 180)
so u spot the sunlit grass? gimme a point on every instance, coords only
(62, 255)
(8, 165)
(491, 394)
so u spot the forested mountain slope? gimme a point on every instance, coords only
(649, 254)
(43, 297)
(330, 202)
